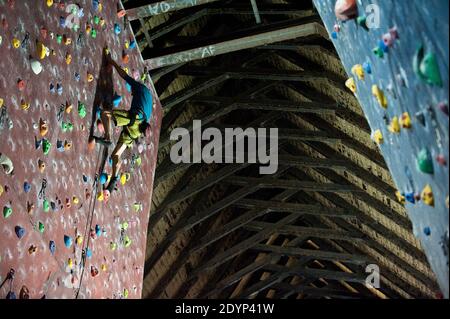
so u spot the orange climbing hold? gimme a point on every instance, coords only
(43, 128)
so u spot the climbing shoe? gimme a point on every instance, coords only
(112, 184)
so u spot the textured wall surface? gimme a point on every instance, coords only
(417, 24)
(114, 231)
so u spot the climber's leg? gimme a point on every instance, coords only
(106, 117)
(116, 164)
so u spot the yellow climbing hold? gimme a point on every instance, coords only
(68, 58)
(49, 3)
(378, 137)
(75, 200)
(405, 120)
(101, 197)
(70, 263)
(112, 246)
(350, 83)
(2, 101)
(79, 240)
(358, 70)
(103, 267)
(394, 127)
(123, 178)
(16, 43)
(25, 105)
(42, 50)
(125, 293)
(90, 77)
(1, 190)
(427, 195)
(400, 198)
(127, 45)
(379, 95)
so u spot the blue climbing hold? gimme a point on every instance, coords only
(95, 4)
(85, 178)
(410, 197)
(67, 241)
(53, 206)
(20, 232)
(88, 253)
(132, 44)
(59, 89)
(11, 295)
(117, 99)
(98, 113)
(128, 87)
(334, 35)
(103, 178)
(27, 187)
(383, 46)
(98, 230)
(52, 247)
(117, 29)
(77, 77)
(60, 145)
(427, 231)
(367, 67)
(62, 22)
(52, 88)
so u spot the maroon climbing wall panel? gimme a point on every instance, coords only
(116, 249)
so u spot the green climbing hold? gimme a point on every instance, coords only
(81, 110)
(362, 21)
(426, 67)
(59, 39)
(7, 211)
(46, 206)
(124, 226)
(126, 241)
(66, 126)
(41, 227)
(378, 52)
(96, 20)
(46, 146)
(138, 161)
(425, 162)
(94, 33)
(112, 246)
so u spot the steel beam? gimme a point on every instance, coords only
(157, 8)
(246, 42)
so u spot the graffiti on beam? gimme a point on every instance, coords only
(195, 54)
(165, 6)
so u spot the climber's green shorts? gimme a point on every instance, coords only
(129, 132)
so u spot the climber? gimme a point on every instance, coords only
(135, 122)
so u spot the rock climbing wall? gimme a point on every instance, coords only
(60, 234)
(398, 69)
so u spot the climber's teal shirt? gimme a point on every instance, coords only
(142, 103)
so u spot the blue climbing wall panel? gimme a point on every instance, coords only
(406, 106)
(58, 232)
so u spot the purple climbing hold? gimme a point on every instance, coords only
(443, 106)
(20, 232)
(52, 247)
(26, 187)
